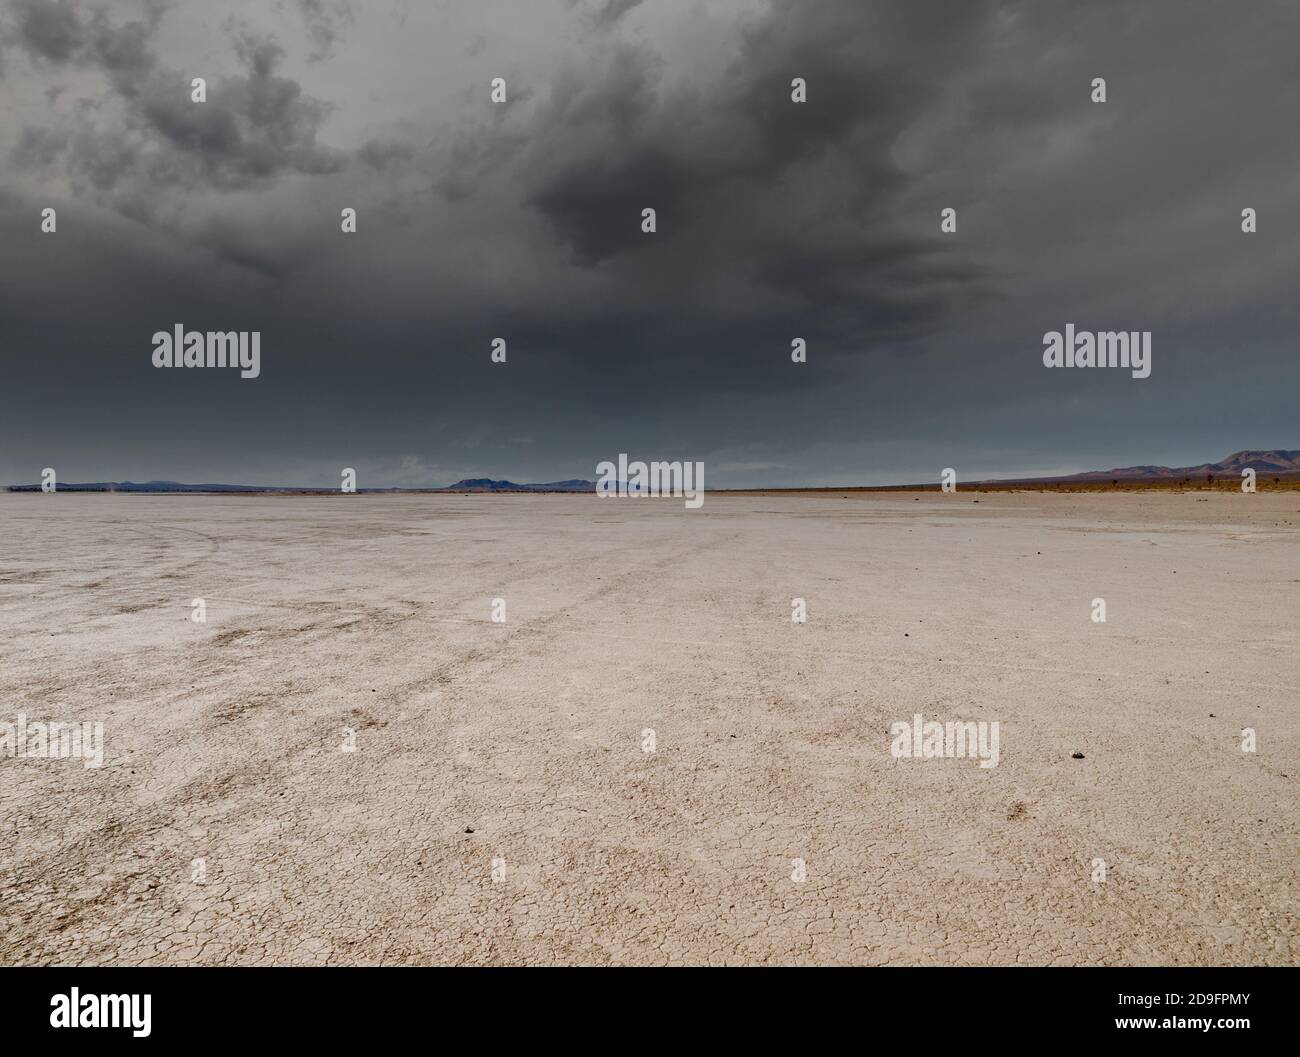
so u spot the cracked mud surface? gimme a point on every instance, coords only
(522, 741)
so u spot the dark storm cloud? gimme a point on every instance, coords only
(252, 128)
(775, 220)
(798, 205)
(383, 153)
(51, 29)
(794, 206)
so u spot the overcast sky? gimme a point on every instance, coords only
(522, 220)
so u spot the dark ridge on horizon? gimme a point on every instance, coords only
(1280, 463)
(469, 484)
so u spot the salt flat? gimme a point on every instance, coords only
(228, 826)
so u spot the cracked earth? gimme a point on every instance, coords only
(522, 742)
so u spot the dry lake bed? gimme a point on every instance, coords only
(501, 803)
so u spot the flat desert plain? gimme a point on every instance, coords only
(500, 805)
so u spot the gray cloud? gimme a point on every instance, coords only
(39, 147)
(775, 220)
(796, 205)
(50, 29)
(386, 152)
(325, 21)
(253, 127)
(612, 10)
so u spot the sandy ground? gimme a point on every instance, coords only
(772, 739)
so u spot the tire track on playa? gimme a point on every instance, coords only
(546, 628)
(132, 578)
(735, 646)
(161, 535)
(454, 678)
(253, 783)
(542, 830)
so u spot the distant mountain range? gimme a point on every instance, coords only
(487, 484)
(473, 484)
(1274, 463)
(1277, 463)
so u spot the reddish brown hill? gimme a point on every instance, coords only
(1276, 462)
